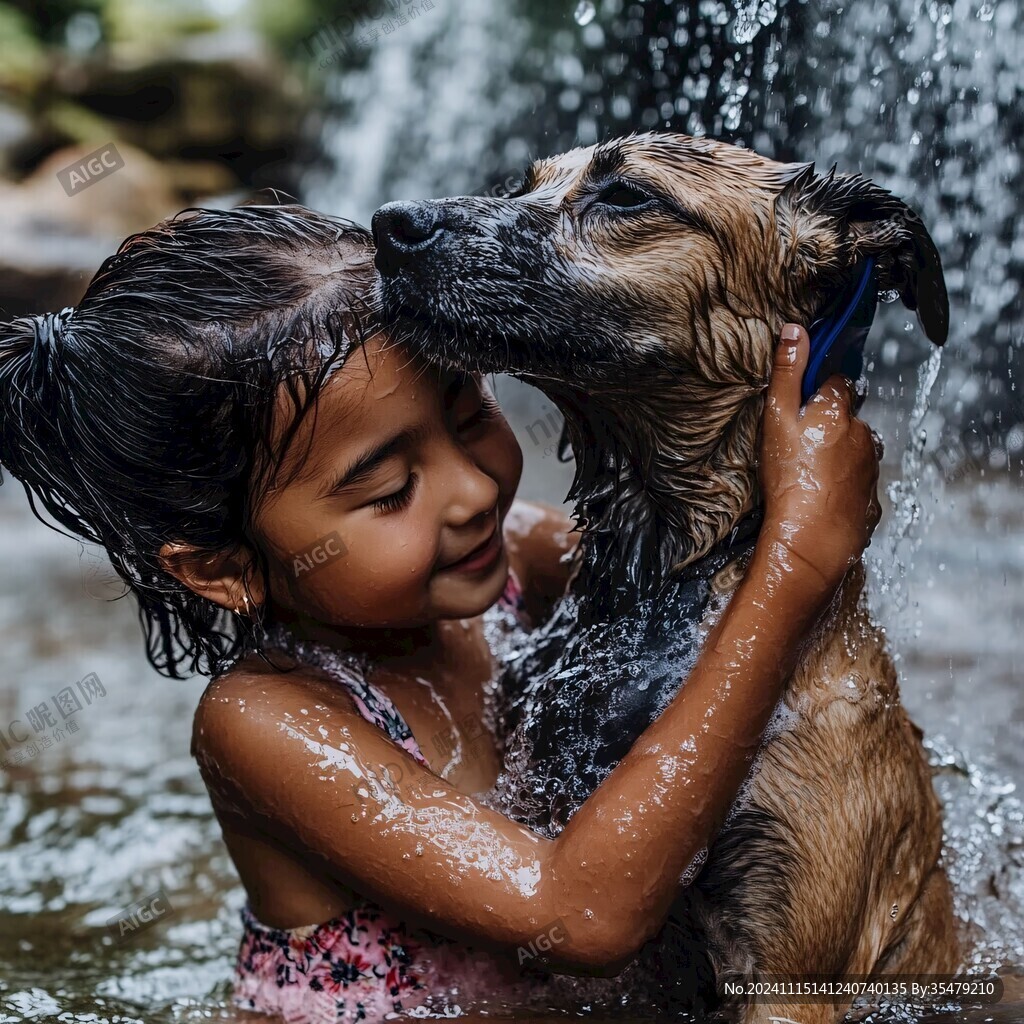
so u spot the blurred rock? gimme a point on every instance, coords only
(53, 243)
(206, 115)
(219, 98)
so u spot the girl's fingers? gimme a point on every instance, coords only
(787, 372)
(843, 389)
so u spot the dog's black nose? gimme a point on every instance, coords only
(401, 230)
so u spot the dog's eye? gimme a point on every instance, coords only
(624, 197)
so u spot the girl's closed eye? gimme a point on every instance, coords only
(397, 500)
(383, 485)
(474, 407)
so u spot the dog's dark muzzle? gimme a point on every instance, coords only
(470, 269)
(404, 231)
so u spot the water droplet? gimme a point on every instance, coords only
(987, 11)
(895, 911)
(751, 17)
(585, 13)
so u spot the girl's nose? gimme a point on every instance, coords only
(472, 492)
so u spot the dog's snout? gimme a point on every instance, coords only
(401, 230)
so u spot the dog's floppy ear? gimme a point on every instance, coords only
(827, 222)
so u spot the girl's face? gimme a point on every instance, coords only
(394, 517)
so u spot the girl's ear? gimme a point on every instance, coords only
(228, 578)
(827, 222)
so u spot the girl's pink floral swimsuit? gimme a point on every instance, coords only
(366, 965)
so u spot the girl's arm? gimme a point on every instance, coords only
(404, 837)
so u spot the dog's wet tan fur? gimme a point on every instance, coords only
(725, 310)
(833, 866)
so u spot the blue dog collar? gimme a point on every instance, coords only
(838, 335)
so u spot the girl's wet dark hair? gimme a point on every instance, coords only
(146, 414)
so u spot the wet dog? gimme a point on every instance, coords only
(641, 285)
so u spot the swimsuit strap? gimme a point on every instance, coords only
(350, 670)
(512, 599)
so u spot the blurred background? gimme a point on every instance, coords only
(344, 105)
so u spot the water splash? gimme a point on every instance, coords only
(903, 492)
(902, 541)
(751, 17)
(984, 853)
(460, 58)
(585, 13)
(508, 93)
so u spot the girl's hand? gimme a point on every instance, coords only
(818, 468)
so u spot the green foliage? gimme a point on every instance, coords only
(46, 22)
(153, 23)
(21, 53)
(25, 24)
(136, 21)
(285, 24)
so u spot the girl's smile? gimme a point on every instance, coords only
(482, 558)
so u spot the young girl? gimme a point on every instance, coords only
(323, 534)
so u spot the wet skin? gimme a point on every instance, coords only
(297, 776)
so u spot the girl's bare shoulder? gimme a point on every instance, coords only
(253, 677)
(254, 694)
